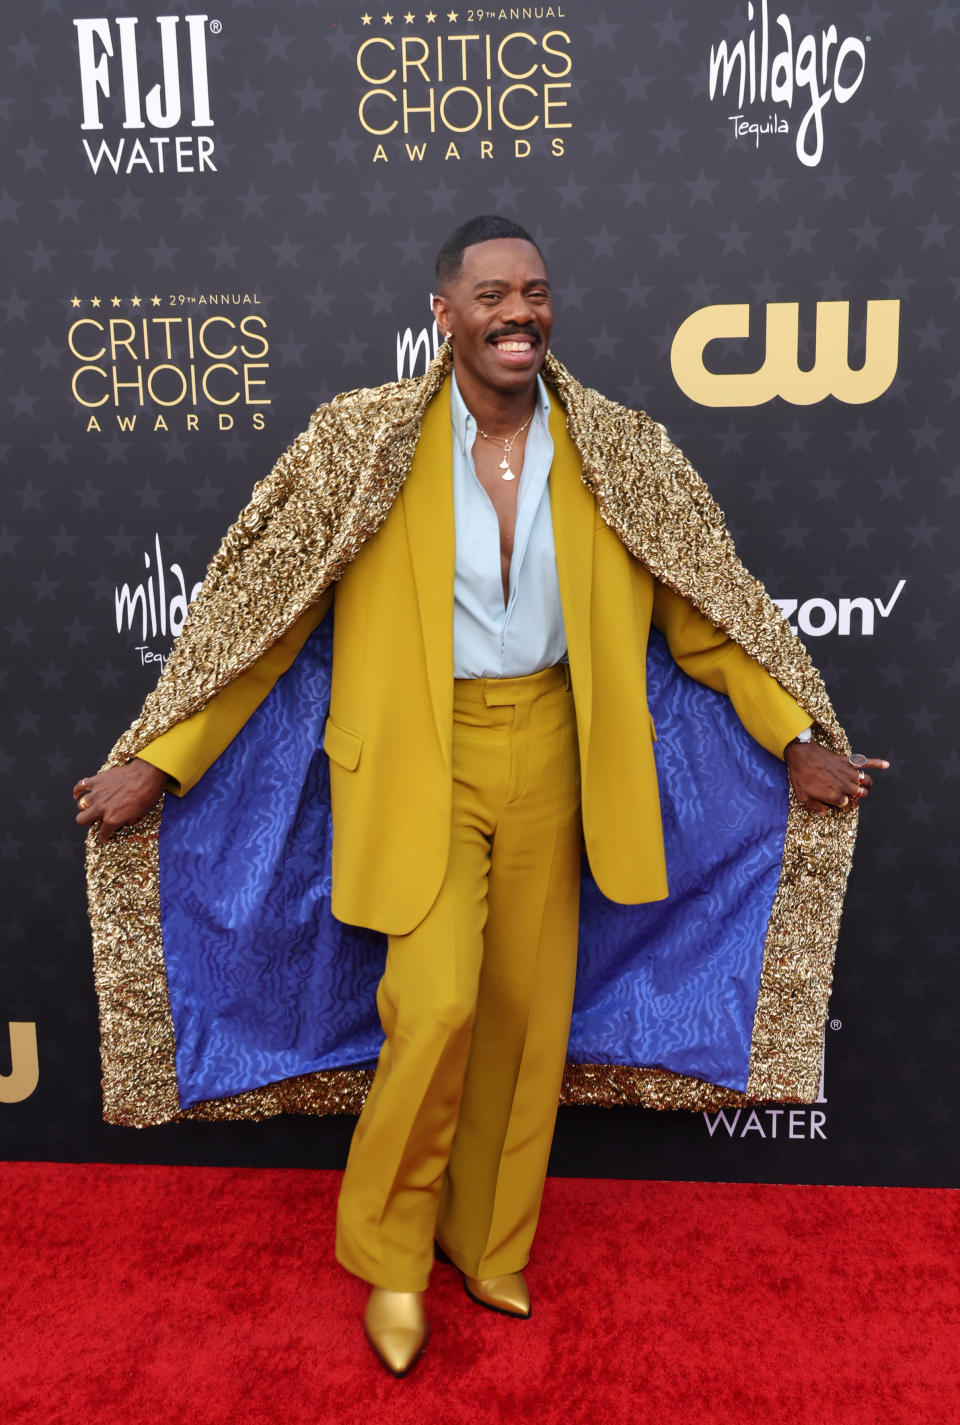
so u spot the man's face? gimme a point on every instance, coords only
(499, 312)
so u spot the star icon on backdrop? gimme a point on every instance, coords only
(247, 99)
(67, 207)
(276, 45)
(281, 149)
(411, 248)
(311, 98)
(379, 198)
(348, 251)
(252, 202)
(314, 201)
(344, 148)
(101, 256)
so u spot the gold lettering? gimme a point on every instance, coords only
(459, 128)
(99, 371)
(256, 336)
(250, 381)
(121, 343)
(780, 373)
(202, 334)
(371, 78)
(205, 388)
(463, 41)
(24, 1072)
(510, 89)
(417, 64)
(85, 355)
(374, 93)
(509, 73)
(550, 103)
(409, 109)
(558, 54)
(151, 387)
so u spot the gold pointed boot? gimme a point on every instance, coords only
(508, 1294)
(396, 1327)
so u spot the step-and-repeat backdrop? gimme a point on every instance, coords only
(213, 220)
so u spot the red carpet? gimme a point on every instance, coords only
(207, 1295)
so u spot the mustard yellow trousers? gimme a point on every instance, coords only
(475, 1004)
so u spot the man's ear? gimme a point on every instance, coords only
(441, 312)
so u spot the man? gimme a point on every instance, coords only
(488, 715)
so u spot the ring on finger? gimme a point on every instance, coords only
(82, 803)
(845, 803)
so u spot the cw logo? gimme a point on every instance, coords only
(781, 374)
(24, 1073)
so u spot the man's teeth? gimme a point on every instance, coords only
(514, 345)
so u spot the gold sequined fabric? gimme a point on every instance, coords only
(327, 494)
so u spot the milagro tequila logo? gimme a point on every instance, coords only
(416, 349)
(110, 55)
(157, 607)
(772, 66)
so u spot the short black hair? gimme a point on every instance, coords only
(483, 229)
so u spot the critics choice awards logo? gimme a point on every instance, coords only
(472, 82)
(772, 70)
(158, 131)
(171, 360)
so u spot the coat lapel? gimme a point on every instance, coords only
(427, 498)
(574, 519)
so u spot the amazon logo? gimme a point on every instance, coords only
(780, 373)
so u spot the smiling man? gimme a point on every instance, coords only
(496, 547)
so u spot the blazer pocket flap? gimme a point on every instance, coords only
(342, 745)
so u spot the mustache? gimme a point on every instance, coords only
(527, 329)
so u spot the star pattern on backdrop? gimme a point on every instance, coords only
(655, 209)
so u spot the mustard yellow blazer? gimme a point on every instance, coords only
(390, 728)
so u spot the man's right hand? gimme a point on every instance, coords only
(118, 796)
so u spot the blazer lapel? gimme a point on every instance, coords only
(427, 497)
(574, 517)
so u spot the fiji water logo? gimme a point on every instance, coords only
(111, 55)
(772, 66)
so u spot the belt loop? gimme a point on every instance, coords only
(566, 677)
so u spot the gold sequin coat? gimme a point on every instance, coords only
(327, 494)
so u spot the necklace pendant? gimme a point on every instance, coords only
(508, 475)
(505, 463)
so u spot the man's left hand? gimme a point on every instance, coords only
(823, 779)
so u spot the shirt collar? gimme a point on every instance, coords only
(464, 424)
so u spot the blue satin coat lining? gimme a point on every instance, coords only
(265, 984)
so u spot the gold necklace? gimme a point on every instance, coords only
(507, 441)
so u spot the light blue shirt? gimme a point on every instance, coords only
(491, 640)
